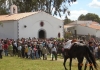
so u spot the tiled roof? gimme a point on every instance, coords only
(90, 24)
(93, 25)
(68, 26)
(16, 16)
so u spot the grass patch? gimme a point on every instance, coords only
(15, 63)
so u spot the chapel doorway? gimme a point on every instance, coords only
(42, 34)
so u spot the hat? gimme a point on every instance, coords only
(74, 40)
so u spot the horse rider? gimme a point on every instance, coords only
(68, 44)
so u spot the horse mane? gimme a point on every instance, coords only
(79, 44)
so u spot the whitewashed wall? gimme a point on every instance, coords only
(9, 30)
(84, 30)
(51, 26)
(98, 33)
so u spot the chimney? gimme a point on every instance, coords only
(13, 9)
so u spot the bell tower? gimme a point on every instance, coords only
(13, 8)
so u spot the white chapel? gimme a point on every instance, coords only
(31, 24)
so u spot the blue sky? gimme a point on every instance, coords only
(83, 7)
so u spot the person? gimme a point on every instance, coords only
(1, 49)
(68, 44)
(29, 52)
(96, 51)
(10, 49)
(22, 50)
(26, 51)
(54, 52)
(19, 50)
(6, 48)
(44, 53)
(15, 48)
(32, 52)
(99, 52)
(50, 45)
(92, 51)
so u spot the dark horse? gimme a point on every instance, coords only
(79, 51)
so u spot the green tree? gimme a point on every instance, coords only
(90, 16)
(81, 17)
(67, 21)
(44, 5)
(3, 9)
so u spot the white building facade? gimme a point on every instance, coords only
(32, 24)
(40, 25)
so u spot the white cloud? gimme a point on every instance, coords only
(94, 4)
(73, 14)
(74, 3)
(76, 13)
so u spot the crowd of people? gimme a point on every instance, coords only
(29, 48)
(36, 48)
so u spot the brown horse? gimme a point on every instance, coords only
(79, 51)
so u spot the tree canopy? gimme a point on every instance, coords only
(89, 16)
(54, 7)
(3, 9)
(67, 20)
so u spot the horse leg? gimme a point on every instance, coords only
(80, 60)
(64, 63)
(85, 67)
(91, 67)
(70, 63)
(90, 63)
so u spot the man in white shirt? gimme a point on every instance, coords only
(68, 45)
(50, 45)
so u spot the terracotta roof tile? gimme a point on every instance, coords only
(16, 16)
(94, 25)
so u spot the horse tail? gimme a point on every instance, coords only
(92, 58)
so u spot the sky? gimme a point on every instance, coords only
(82, 7)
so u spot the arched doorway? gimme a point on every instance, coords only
(42, 34)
